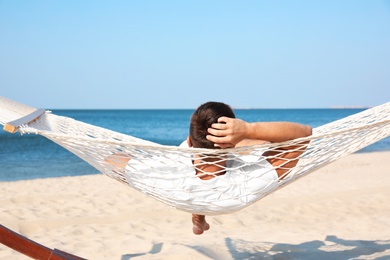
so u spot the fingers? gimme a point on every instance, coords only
(217, 139)
(222, 123)
(216, 132)
(213, 138)
(224, 119)
(219, 126)
(224, 145)
(221, 142)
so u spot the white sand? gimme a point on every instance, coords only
(339, 212)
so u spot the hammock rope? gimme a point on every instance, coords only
(167, 173)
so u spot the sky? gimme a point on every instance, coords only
(178, 54)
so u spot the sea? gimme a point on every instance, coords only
(30, 156)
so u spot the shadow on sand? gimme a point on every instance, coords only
(156, 248)
(331, 248)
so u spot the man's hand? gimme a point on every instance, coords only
(228, 132)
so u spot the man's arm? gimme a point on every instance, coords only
(118, 160)
(228, 132)
(231, 132)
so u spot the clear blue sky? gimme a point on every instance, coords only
(178, 54)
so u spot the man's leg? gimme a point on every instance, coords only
(199, 224)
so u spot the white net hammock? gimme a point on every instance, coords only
(167, 173)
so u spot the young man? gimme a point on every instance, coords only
(213, 125)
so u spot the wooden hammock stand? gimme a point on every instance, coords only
(32, 249)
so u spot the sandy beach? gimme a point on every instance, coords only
(342, 211)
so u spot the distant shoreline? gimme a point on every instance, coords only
(192, 109)
(350, 107)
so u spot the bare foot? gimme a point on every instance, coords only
(199, 224)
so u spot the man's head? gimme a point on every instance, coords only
(203, 117)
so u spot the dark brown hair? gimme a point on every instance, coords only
(203, 117)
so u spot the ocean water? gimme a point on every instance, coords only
(32, 156)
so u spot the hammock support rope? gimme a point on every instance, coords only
(164, 172)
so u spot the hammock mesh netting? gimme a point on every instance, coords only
(167, 172)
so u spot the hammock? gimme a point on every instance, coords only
(166, 172)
